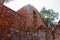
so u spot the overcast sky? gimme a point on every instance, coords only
(38, 4)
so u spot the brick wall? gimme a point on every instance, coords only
(56, 32)
(25, 26)
(10, 24)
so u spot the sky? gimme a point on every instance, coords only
(38, 4)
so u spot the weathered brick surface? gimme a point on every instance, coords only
(32, 16)
(10, 24)
(1, 3)
(49, 34)
(26, 24)
(56, 31)
(35, 27)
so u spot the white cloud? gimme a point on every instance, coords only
(17, 4)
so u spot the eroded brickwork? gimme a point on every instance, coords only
(56, 31)
(26, 24)
(35, 27)
(10, 24)
(32, 17)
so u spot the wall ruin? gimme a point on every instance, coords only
(13, 26)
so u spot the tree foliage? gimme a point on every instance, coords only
(8, 1)
(49, 16)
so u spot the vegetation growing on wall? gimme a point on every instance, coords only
(49, 16)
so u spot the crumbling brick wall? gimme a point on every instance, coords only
(1, 3)
(13, 26)
(10, 24)
(41, 33)
(49, 34)
(32, 16)
(35, 27)
(56, 32)
(34, 34)
(7, 19)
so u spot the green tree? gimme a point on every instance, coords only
(49, 16)
(8, 1)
